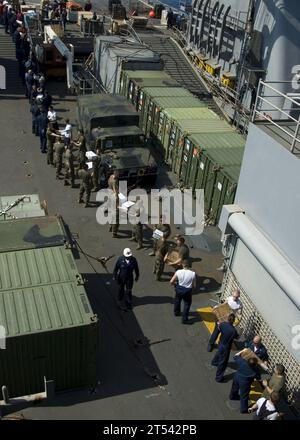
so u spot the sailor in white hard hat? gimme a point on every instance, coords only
(125, 269)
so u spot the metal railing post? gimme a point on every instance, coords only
(256, 100)
(295, 136)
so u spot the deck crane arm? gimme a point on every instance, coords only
(51, 36)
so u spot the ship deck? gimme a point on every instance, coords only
(167, 378)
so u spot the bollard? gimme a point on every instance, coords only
(5, 394)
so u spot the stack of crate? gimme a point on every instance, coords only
(200, 147)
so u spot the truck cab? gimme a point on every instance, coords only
(110, 123)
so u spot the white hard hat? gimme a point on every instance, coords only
(127, 252)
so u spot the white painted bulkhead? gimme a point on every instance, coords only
(264, 252)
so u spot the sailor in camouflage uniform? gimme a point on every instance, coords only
(160, 253)
(137, 229)
(59, 149)
(165, 229)
(85, 186)
(114, 226)
(97, 169)
(113, 182)
(50, 135)
(69, 166)
(81, 145)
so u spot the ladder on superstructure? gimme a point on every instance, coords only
(85, 80)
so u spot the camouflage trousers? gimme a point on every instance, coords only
(114, 228)
(50, 153)
(96, 179)
(58, 164)
(85, 190)
(81, 158)
(155, 242)
(158, 267)
(137, 233)
(69, 174)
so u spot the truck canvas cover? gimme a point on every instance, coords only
(130, 130)
(109, 111)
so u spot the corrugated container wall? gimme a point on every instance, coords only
(158, 104)
(159, 125)
(194, 149)
(183, 128)
(132, 81)
(145, 101)
(173, 132)
(51, 330)
(218, 179)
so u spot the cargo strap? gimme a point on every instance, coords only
(102, 260)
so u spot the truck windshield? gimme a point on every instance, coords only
(119, 142)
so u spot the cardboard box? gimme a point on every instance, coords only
(172, 256)
(222, 312)
(249, 354)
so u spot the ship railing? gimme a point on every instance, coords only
(85, 80)
(179, 36)
(266, 95)
(227, 96)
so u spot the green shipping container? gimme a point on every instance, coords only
(177, 117)
(51, 330)
(132, 81)
(215, 181)
(183, 129)
(193, 159)
(223, 192)
(163, 102)
(146, 105)
(156, 115)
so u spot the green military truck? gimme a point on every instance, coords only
(110, 123)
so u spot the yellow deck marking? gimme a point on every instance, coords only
(255, 392)
(208, 319)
